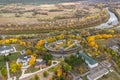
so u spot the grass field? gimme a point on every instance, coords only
(12, 57)
(19, 47)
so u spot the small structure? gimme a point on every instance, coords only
(97, 74)
(91, 62)
(24, 60)
(79, 78)
(115, 48)
(5, 50)
(59, 42)
(105, 64)
(41, 64)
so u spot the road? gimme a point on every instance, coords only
(8, 72)
(30, 75)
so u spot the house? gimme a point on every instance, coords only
(114, 48)
(24, 60)
(91, 62)
(41, 64)
(97, 74)
(59, 42)
(5, 50)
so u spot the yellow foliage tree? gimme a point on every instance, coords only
(32, 60)
(59, 72)
(90, 38)
(7, 41)
(14, 67)
(68, 43)
(28, 51)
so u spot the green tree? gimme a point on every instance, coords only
(14, 67)
(4, 72)
(47, 58)
(45, 73)
(36, 77)
(74, 60)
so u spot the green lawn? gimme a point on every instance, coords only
(2, 62)
(12, 57)
(31, 69)
(51, 69)
(19, 47)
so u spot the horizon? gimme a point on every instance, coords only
(46, 1)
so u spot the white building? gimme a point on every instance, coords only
(114, 48)
(6, 50)
(97, 74)
(91, 62)
(24, 60)
(106, 64)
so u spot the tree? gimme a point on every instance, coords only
(45, 73)
(22, 43)
(81, 70)
(28, 51)
(59, 72)
(68, 43)
(32, 60)
(14, 67)
(7, 41)
(61, 36)
(4, 72)
(36, 77)
(74, 60)
(47, 57)
(67, 67)
(6, 58)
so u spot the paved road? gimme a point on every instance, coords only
(8, 72)
(30, 75)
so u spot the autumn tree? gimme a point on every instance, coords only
(32, 60)
(81, 70)
(28, 51)
(14, 67)
(59, 72)
(4, 72)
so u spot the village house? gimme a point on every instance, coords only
(6, 50)
(41, 64)
(24, 60)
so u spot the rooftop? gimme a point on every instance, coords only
(5, 48)
(89, 59)
(39, 63)
(105, 64)
(99, 73)
(25, 57)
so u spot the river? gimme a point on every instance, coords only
(113, 20)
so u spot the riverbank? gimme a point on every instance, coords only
(113, 20)
(19, 18)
